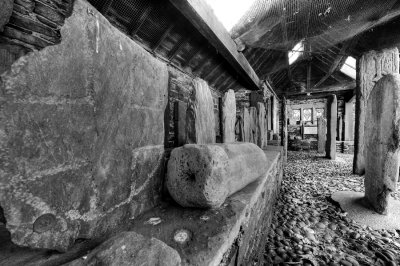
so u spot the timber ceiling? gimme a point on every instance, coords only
(164, 31)
(331, 30)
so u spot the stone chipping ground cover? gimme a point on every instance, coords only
(308, 228)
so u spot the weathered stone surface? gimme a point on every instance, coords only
(382, 137)
(200, 120)
(246, 125)
(330, 146)
(130, 248)
(215, 234)
(81, 134)
(321, 134)
(204, 175)
(261, 126)
(6, 8)
(228, 117)
(373, 65)
(253, 130)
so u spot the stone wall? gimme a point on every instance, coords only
(33, 25)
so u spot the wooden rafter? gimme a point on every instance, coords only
(336, 63)
(193, 55)
(163, 36)
(137, 24)
(203, 19)
(175, 50)
(212, 71)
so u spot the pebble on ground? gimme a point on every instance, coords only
(308, 228)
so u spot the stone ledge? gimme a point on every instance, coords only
(203, 237)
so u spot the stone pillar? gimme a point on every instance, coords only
(246, 124)
(340, 129)
(348, 121)
(200, 119)
(284, 132)
(382, 142)
(253, 125)
(261, 125)
(331, 128)
(228, 117)
(371, 67)
(321, 134)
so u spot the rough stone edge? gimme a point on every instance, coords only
(235, 230)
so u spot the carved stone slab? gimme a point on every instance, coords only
(261, 138)
(228, 117)
(200, 119)
(321, 134)
(373, 65)
(382, 137)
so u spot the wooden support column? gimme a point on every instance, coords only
(371, 67)
(330, 147)
(348, 121)
(284, 132)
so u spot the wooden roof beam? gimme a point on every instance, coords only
(338, 61)
(347, 87)
(204, 20)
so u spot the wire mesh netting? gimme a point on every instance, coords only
(280, 24)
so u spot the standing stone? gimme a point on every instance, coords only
(6, 8)
(382, 142)
(321, 134)
(261, 125)
(228, 117)
(340, 128)
(246, 125)
(284, 133)
(331, 128)
(200, 119)
(348, 121)
(372, 66)
(253, 125)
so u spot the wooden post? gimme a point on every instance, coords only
(284, 136)
(331, 130)
(371, 67)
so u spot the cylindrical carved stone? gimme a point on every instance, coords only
(205, 175)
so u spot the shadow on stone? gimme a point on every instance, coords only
(359, 210)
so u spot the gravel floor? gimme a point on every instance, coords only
(310, 229)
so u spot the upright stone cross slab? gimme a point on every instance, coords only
(382, 137)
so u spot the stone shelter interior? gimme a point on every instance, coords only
(149, 132)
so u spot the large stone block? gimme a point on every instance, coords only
(81, 134)
(372, 66)
(228, 117)
(321, 134)
(200, 120)
(130, 248)
(6, 8)
(382, 138)
(204, 175)
(261, 125)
